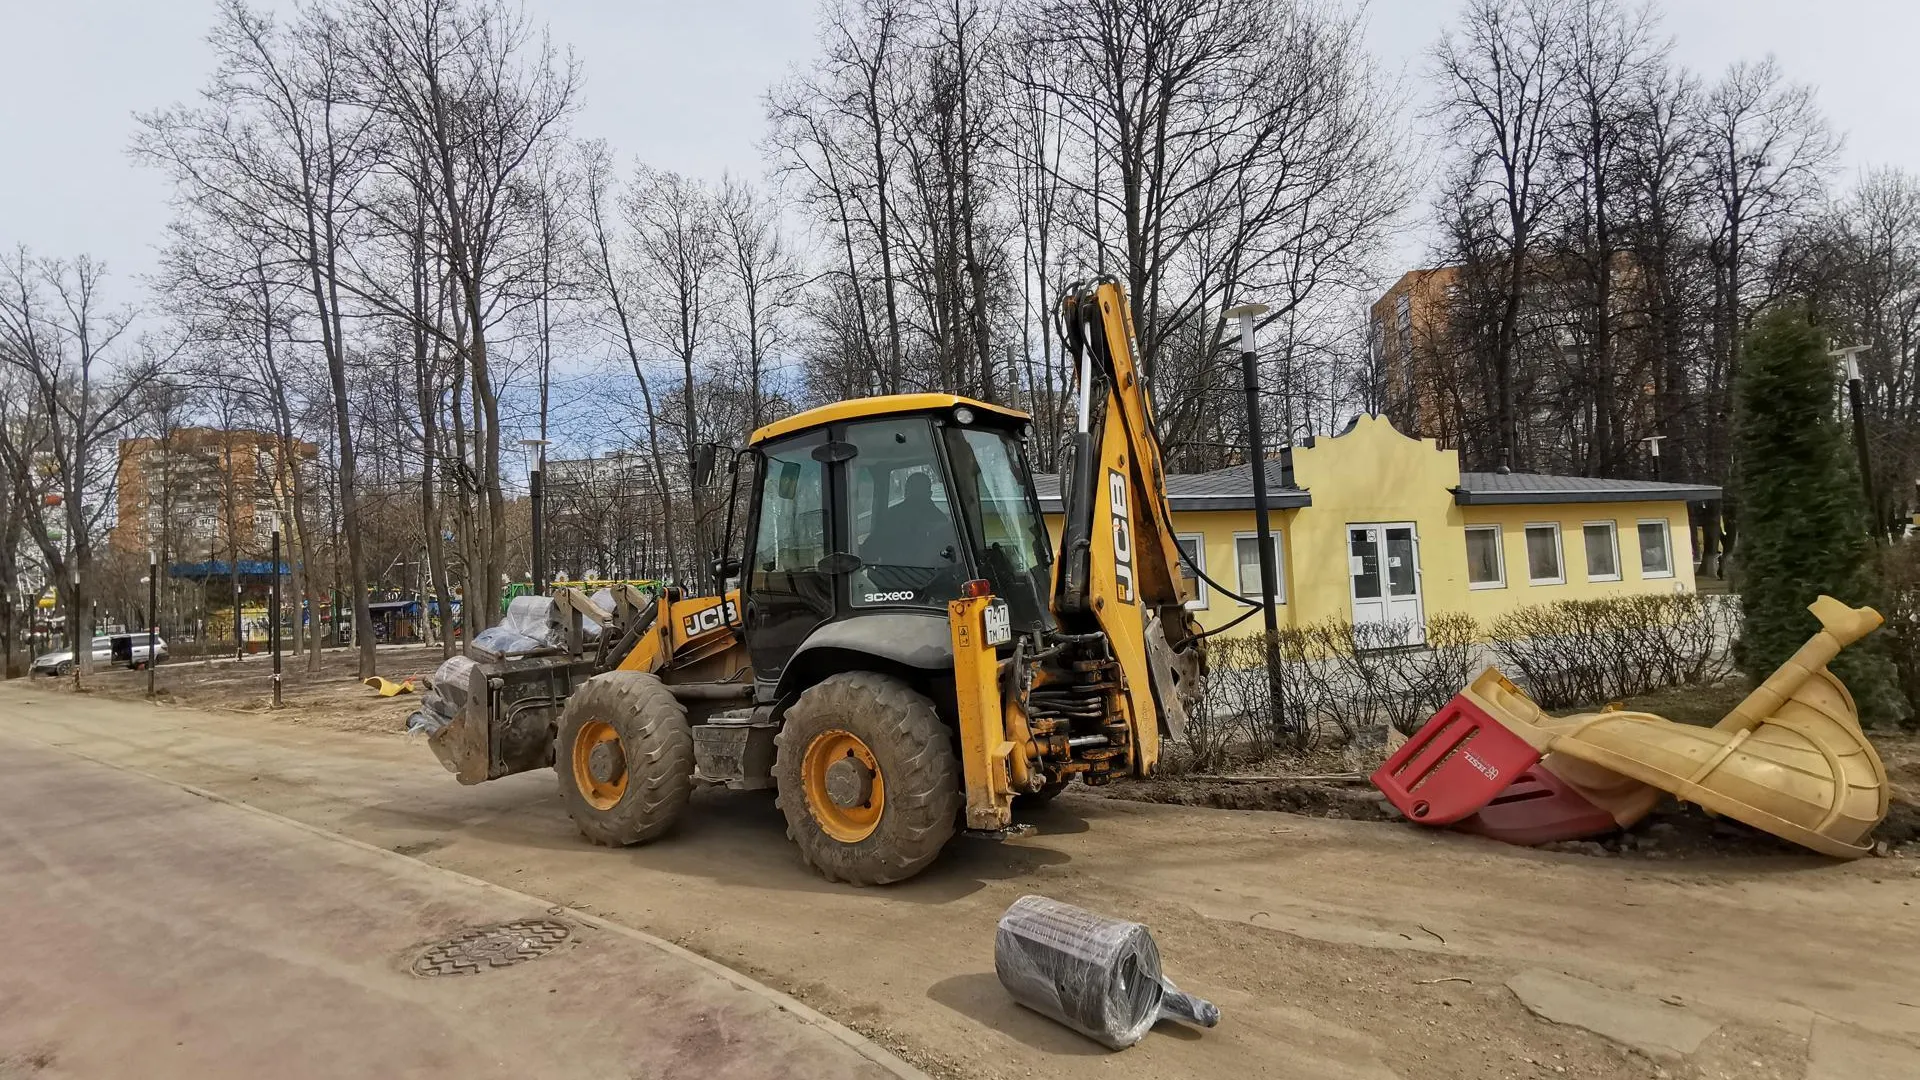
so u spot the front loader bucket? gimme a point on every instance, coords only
(1790, 759)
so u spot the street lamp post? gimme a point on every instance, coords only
(73, 627)
(1256, 442)
(536, 464)
(1653, 448)
(273, 609)
(153, 618)
(1850, 356)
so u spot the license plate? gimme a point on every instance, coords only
(999, 623)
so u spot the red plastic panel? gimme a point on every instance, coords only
(1538, 808)
(1457, 763)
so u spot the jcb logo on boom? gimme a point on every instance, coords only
(712, 618)
(1122, 535)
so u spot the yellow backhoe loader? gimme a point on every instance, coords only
(906, 654)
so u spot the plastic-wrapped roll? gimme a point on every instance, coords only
(1099, 976)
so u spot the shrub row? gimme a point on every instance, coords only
(1586, 652)
(1339, 681)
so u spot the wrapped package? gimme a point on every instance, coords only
(433, 714)
(1098, 976)
(604, 601)
(499, 642)
(441, 704)
(538, 618)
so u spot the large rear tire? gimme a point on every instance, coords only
(868, 779)
(624, 757)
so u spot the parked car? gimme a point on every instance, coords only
(127, 649)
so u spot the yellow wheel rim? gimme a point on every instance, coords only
(599, 765)
(845, 789)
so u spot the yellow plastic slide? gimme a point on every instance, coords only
(1789, 759)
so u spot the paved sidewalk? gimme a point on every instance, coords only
(153, 932)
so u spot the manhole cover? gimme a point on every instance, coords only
(489, 947)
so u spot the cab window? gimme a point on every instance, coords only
(900, 517)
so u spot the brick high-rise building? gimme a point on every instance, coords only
(1406, 327)
(195, 491)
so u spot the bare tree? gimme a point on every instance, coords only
(474, 99)
(1766, 152)
(1227, 150)
(83, 378)
(763, 284)
(1502, 89)
(279, 151)
(615, 282)
(678, 263)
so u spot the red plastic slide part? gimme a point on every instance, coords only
(1538, 808)
(1456, 764)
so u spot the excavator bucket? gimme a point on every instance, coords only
(1790, 759)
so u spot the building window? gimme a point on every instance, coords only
(1486, 561)
(1246, 553)
(1656, 555)
(1603, 551)
(1543, 555)
(1196, 548)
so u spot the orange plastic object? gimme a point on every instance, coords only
(1790, 759)
(1454, 765)
(1538, 808)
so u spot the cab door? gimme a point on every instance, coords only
(786, 588)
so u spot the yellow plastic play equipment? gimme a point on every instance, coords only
(1789, 759)
(387, 687)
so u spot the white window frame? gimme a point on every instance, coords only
(1499, 558)
(1559, 552)
(1202, 595)
(1613, 537)
(1252, 588)
(1666, 539)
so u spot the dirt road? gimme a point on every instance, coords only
(1336, 949)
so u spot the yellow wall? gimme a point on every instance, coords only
(1375, 475)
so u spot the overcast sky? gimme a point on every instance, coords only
(679, 83)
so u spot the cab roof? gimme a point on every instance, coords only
(885, 405)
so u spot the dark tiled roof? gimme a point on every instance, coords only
(1223, 489)
(1485, 488)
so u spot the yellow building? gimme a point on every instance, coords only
(1375, 527)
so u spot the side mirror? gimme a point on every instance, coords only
(724, 568)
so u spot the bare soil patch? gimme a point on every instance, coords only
(332, 697)
(1674, 830)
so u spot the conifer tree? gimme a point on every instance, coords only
(1803, 519)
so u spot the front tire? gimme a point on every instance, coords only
(868, 779)
(63, 669)
(624, 758)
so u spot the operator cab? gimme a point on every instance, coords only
(889, 505)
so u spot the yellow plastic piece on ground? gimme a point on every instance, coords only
(1790, 759)
(388, 688)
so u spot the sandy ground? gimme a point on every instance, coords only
(156, 933)
(330, 697)
(1336, 948)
